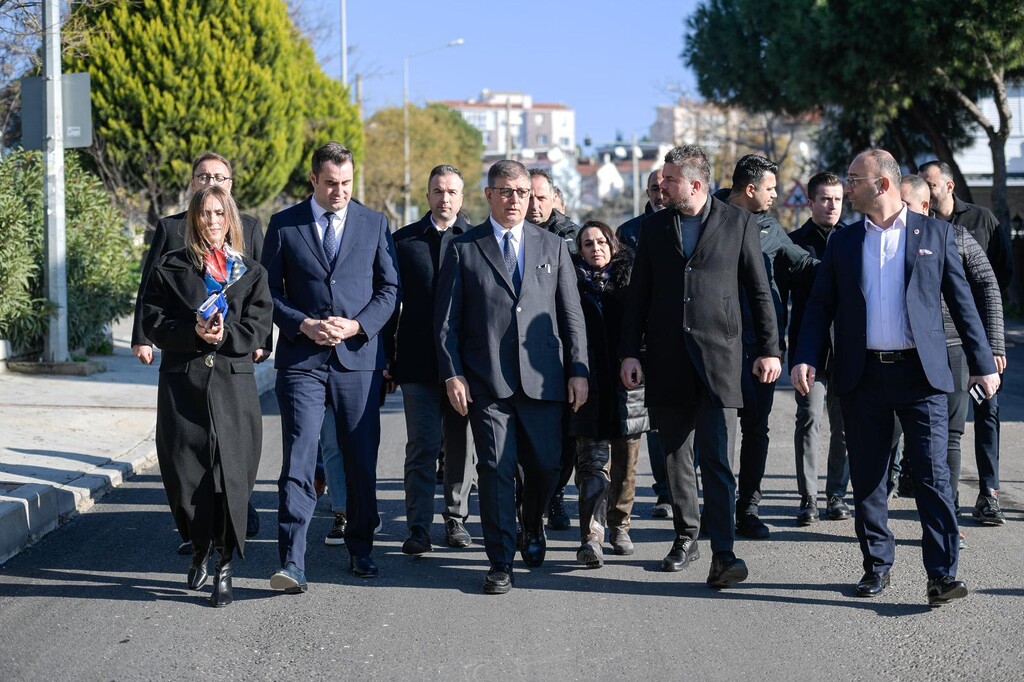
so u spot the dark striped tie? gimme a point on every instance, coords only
(330, 242)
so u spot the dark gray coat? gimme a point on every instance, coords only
(984, 287)
(208, 409)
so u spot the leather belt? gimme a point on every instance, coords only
(889, 357)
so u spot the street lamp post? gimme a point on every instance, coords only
(407, 181)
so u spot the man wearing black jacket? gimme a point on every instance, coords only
(825, 191)
(753, 189)
(412, 362)
(983, 226)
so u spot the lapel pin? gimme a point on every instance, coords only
(917, 231)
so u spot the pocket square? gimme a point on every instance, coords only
(924, 252)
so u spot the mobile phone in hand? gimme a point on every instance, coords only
(978, 393)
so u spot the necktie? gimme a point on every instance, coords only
(511, 262)
(330, 243)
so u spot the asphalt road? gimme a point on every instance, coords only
(103, 598)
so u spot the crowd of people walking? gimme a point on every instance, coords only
(559, 346)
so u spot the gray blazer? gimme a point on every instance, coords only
(501, 342)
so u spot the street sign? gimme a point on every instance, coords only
(797, 197)
(77, 111)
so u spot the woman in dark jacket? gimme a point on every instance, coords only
(208, 426)
(608, 426)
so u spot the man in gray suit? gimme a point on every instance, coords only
(512, 349)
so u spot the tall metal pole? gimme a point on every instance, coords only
(407, 179)
(361, 182)
(56, 347)
(344, 44)
(636, 177)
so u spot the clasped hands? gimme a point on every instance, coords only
(210, 330)
(330, 332)
(458, 393)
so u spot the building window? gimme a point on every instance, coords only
(564, 142)
(542, 139)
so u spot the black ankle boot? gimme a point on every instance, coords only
(221, 595)
(197, 570)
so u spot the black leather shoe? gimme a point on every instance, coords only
(197, 570)
(750, 526)
(872, 584)
(222, 595)
(363, 566)
(499, 579)
(726, 571)
(558, 518)
(684, 552)
(808, 512)
(837, 509)
(252, 521)
(418, 542)
(456, 535)
(290, 579)
(535, 549)
(942, 590)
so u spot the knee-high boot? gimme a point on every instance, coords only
(225, 543)
(592, 481)
(197, 570)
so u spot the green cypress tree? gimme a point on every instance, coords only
(172, 78)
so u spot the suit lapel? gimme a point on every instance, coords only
(309, 233)
(913, 246)
(353, 221)
(531, 253)
(856, 256)
(489, 245)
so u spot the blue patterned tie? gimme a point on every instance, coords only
(511, 262)
(330, 244)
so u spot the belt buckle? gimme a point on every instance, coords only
(889, 357)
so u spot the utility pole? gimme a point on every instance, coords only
(344, 44)
(56, 347)
(635, 153)
(361, 182)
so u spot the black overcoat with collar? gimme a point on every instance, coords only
(207, 403)
(688, 309)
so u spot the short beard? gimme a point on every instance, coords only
(681, 205)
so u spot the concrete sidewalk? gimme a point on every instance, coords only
(65, 441)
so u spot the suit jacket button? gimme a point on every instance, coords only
(686, 300)
(209, 360)
(687, 269)
(519, 309)
(686, 329)
(333, 282)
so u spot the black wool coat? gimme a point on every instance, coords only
(611, 410)
(208, 407)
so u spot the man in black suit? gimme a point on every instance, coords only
(983, 226)
(881, 284)
(825, 191)
(512, 349)
(209, 168)
(412, 363)
(331, 269)
(684, 300)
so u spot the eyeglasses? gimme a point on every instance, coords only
(852, 180)
(507, 192)
(206, 178)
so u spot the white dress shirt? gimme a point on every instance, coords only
(517, 241)
(882, 281)
(338, 223)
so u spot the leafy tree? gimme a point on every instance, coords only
(101, 266)
(172, 78)
(437, 135)
(892, 69)
(328, 116)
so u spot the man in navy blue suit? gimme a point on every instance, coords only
(882, 281)
(332, 273)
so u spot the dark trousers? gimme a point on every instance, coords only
(429, 417)
(516, 432)
(712, 430)
(656, 453)
(986, 443)
(606, 480)
(956, 407)
(354, 398)
(886, 392)
(810, 410)
(757, 407)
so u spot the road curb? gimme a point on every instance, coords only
(33, 510)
